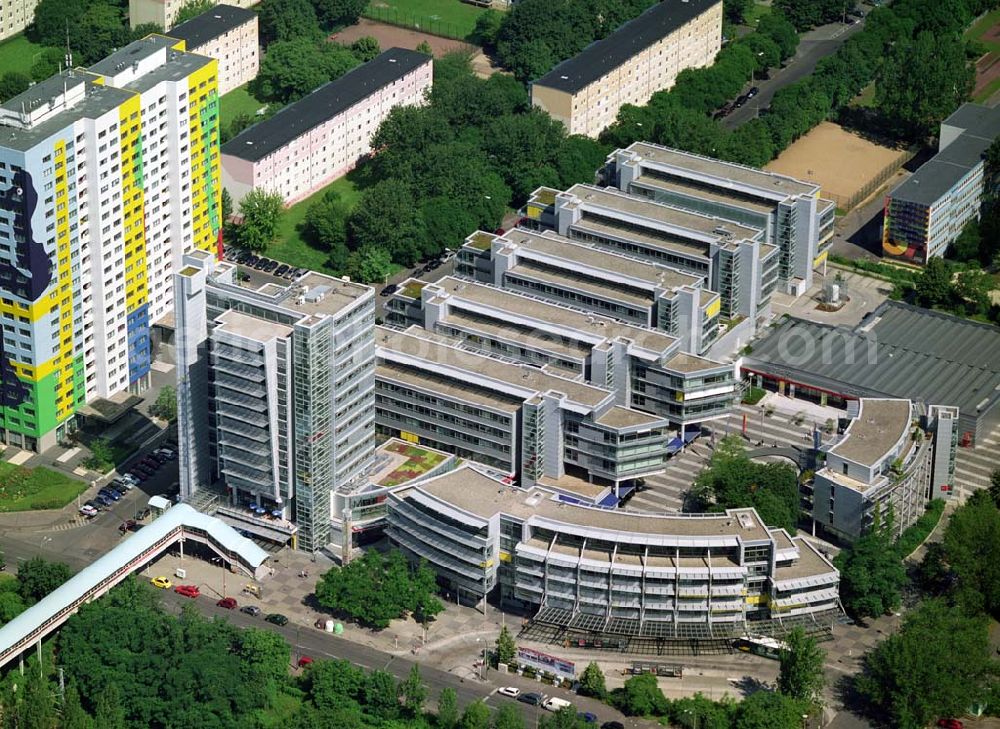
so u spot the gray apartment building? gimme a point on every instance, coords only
(877, 474)
(276, 390)
(791, 213)
(529, 424)
(563, 271)
(645, 368)
(605, 574)
(732, 259)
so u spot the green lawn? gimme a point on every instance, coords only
(19, 54)
(757, 11)
(988, 90)
(980, 27)
(866, 99)
(237, 101)
(24, 489)
(450, 18)
(290, 247)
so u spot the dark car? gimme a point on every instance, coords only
(150, 462)
(531, 698)
(950, 724)
(281, 270)
(586, 717)
(95, 504)
(612, 725)
(143, 469)
(127, 526)
(250, 610)
(271, 266)
(140, 477)
(753, 92)
(228, 603)
(252, 260)
(739, 102)
(389, 290)
(277, 619)
(104, 500)
(159, 457)
(109, 494)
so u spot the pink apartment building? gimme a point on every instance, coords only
(229, 35)
(323, 135)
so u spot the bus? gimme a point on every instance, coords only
(761, 645)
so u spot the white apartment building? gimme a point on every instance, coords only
(164, 12)
(229, 35)
(275, 395)
(15, 16)
(643, 56)
(323, 135)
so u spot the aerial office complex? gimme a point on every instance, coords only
(612, 575)
(564, 271)
(107, 177)
(877, 474)
(791, 213)
(275, 391)
(645, 368)
(631, 64)
(229, 35)
(324, 134)
(925, 214)
(164, 12)
(732, 259)
(530, 424)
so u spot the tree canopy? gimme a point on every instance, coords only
(261, 212)
(801, 673)
(871, 576)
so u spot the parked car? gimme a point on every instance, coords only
(532, 698)
(109, 494)
(104, 500)
(95, 505)
(511, 691)
(129, 478)
(162, 582)
(229, 603)
(151, 462)
(88, 510)
(141, 514)
(950, 724)
(187, 590)
(612, 725)
(587, 717)
(136, 476)
(499, 231)
(127, 526)
(739, 102)
(282, 269)
(250, 610)
(168, 453)
(277, 619)
(143, 469)
(389, 290)
(753, 92)
(305, 661)
(554, 703)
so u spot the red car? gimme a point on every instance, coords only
(305, 661)
(229, 603)
(187, 590)
(951, 724)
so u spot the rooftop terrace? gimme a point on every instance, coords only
(879, 426)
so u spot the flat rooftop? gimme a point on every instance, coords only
(620, 417)
(313, 295)
(603, 56)
(898, 351)
(567, 279)
(323, 104)
(499, 328)
(705, 226)
(448, 387)
(483, 496)
(177, 65)
(724, 173)
(251, 327)
(210, 25)
(879, 426)
(810, 563)
(549, 245)
(688, 363)
(592, 328)
(514, 379)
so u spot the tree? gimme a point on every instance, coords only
(487, 28)
(447, 709)
(933, 286)
(736, 11)
(11, 605)
(921, 82)
(261, 212)
(365, 48)
(47, 64)
(227, 205)
(769, 710)
(476, 716)
(108, 711)
(936, 665)
(801, 673)
(387, 217)
(369, 264)
(508, 717)
(994, 489)
(641, 696)
(413, 692)
(972, 548)
(287, 20)
(165, 406)
(565, 718)
(700, 712)
(101, 29)
(871, 576)
(38, 577)
(775, 26)
(325, 224)
(192, 9)
(338, 13)
(380, 695)
(972, 290)
(292, 68)
(966, 245)
(592, 681)
(13, 83)
(73, 714)
(52, 20)
(506, 647)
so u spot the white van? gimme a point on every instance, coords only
(555, 704)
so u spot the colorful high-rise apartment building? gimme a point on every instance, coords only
(108, 176)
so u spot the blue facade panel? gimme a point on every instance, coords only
(138, 343)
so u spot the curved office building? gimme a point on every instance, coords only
(605, 572)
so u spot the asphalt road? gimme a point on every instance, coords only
(320, 644)
(814, 46)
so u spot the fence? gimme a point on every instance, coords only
(407, 19)
(847, 203)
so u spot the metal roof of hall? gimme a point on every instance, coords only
(897, 351)
(324, 103)
(600, 57)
